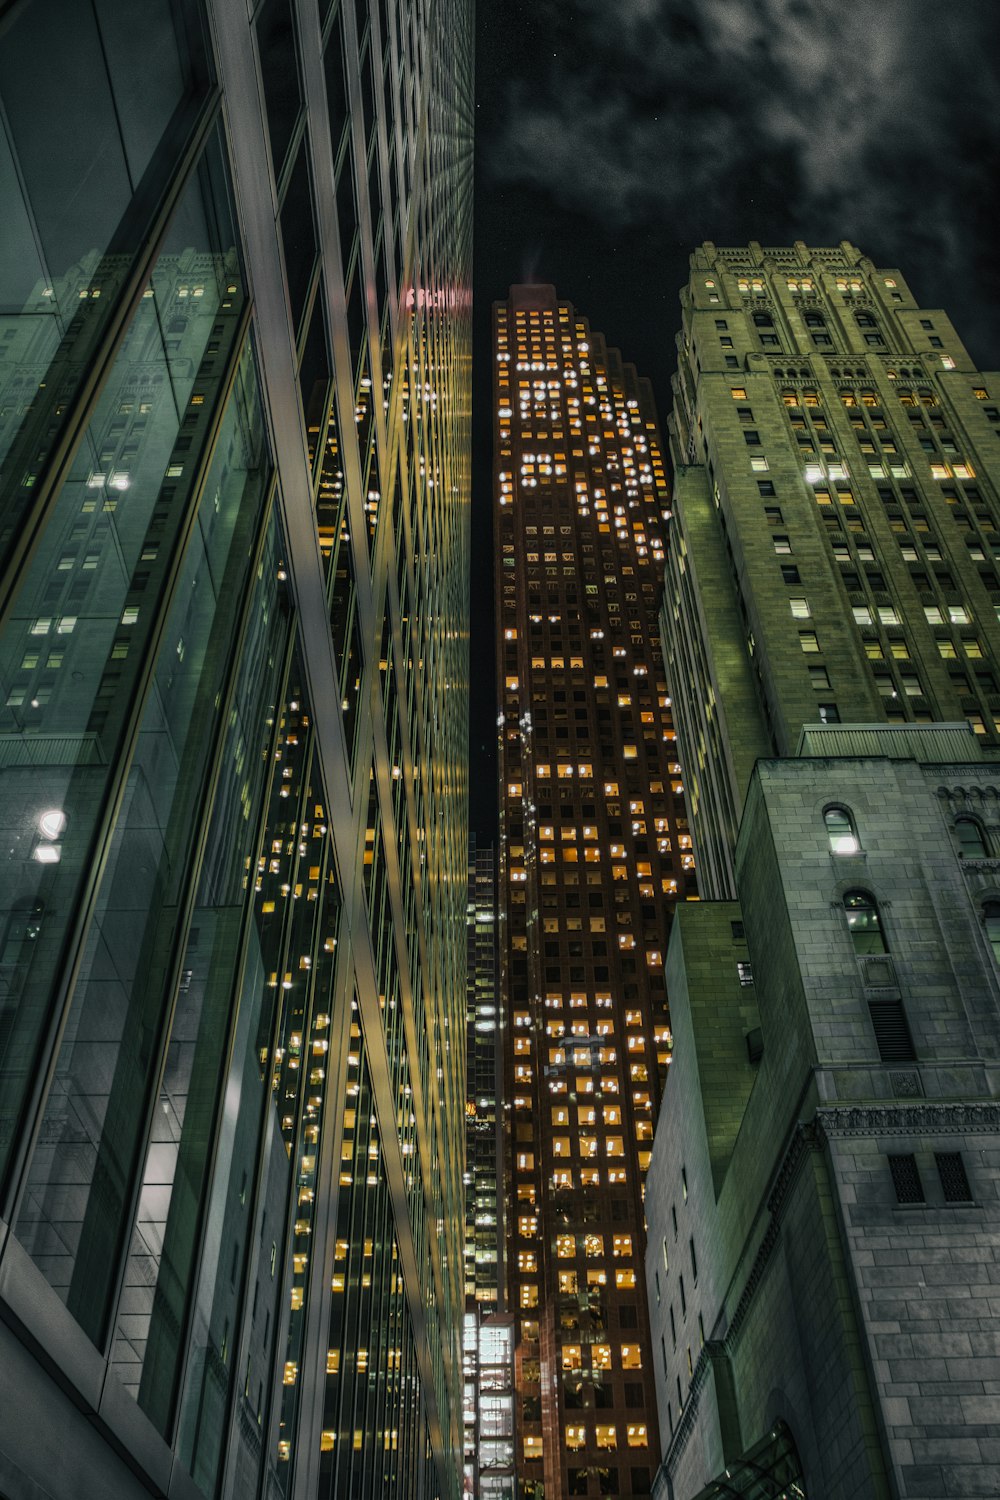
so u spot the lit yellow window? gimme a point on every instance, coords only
(606, 1436)
(637, 1435)
(600, 1356)
(631, 1357)
(571, 1357)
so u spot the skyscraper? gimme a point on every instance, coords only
(835, 543)
(234, 398)
(488, 1398)
(595, 851)
(483, 1229)
(822, 1198)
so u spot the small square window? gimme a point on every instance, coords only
(800, 608)
(790, 573)
(744, 971)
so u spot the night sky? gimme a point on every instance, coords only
(613, 136)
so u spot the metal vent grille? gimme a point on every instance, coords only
(906, 1179)
(892, 1034)
(954, 1182)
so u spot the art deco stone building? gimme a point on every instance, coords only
(823, 1195)
(234, 400)
(595, 852)
(834, 542)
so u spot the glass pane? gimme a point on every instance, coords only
(76, 136)
(970, 839)
(346, 638)
(864, 925)
(73, 655)
(80, 1183)
(280, 74)
(274, 1093)
(841, 831)
(154, 1298)
(331, 519)
(314, 377)
(298, 233)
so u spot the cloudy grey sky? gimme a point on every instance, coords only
(615, 135)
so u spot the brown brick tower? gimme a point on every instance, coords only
(595, 852)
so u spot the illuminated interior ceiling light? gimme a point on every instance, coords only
(52, 823)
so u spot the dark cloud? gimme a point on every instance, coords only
(870, 120)
(615, 135)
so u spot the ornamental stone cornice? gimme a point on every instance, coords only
(981, 1118)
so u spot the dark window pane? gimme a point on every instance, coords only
(280, 76)
(314, 377)
(970, 839)
(863, 923)
(298, 232)
(347, 212)
(336, 83)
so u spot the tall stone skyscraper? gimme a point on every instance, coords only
(595, 852)
(834, 552)
(234, 485)
(822, 1201)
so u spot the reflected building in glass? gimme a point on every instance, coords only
(234, 403)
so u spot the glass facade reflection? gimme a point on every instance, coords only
(234, 487)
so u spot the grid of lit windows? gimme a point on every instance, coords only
(595, 850)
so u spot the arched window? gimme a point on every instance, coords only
(864, 923)
(971, 840)
(991, 922)
(841, 831)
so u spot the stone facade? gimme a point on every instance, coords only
(834, 1206)
(834, 533)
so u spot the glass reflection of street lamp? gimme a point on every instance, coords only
(51, 825)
